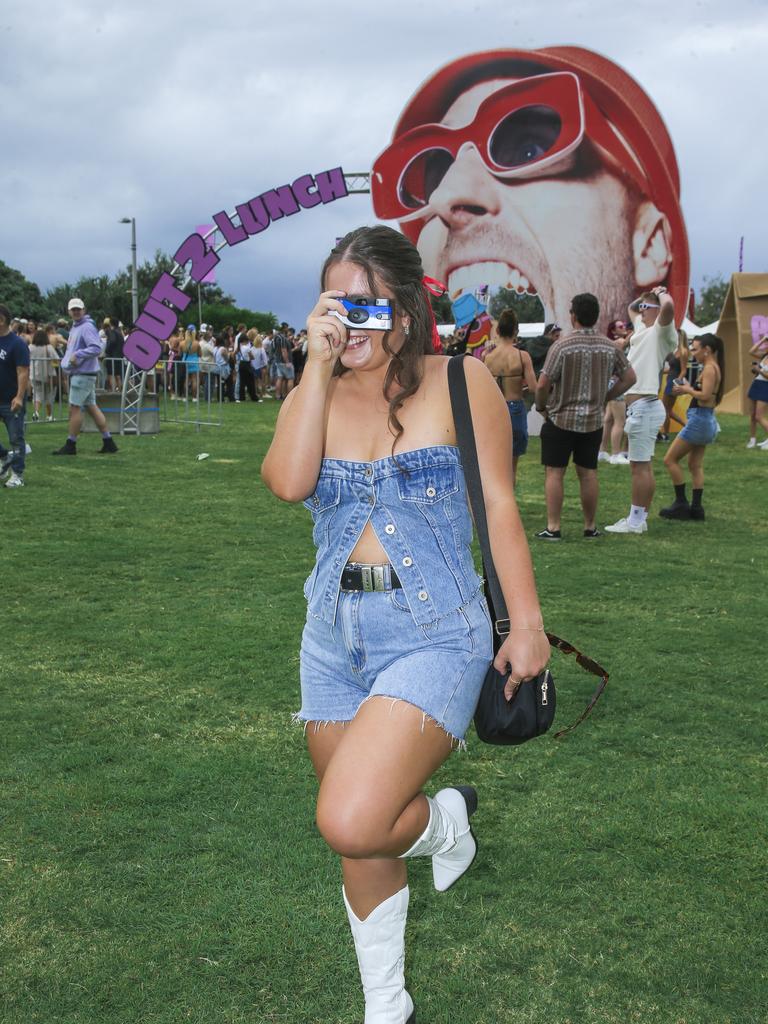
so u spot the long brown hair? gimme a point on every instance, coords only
(391, 261)
(715, 344)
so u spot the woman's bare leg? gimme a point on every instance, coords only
(619, 416)
(379, 878)
(677, 451)
(696, 466)
(370, 808)
(608, 424)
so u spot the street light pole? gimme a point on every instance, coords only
(134, 275)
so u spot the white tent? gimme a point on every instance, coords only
(536, 330)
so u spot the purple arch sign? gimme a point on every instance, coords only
(161, 312)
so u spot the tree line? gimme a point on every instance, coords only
(110, 295)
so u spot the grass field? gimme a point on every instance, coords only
(159, 860)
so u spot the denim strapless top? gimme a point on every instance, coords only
(416, 503)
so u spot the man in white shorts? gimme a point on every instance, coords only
(654, 338)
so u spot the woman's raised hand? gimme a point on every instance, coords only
(326, 335)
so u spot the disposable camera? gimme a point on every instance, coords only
(375, 318)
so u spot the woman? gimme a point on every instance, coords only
(223, 360)
(758, 394)
(677, 365)
(190, 351)
(44, 360)
(113, 352)
(243, 355)
(512, 368)
(258, 363)
(615, 415)
(397, 640)
(701, 428)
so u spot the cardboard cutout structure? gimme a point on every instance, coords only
(743, 322)
(545, 171)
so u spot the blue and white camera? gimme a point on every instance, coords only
(374, 318)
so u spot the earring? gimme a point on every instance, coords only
(407, 329)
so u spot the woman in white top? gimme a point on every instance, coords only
(258, 363)
(758, 394)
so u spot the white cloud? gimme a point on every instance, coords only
(169, 114)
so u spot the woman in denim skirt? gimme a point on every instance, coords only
(700, 430)
(397, 639)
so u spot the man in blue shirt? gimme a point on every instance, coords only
(14, 380)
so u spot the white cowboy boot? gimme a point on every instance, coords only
(448, 839)
(380, 948)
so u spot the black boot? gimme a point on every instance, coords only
(679, 509)
(697, 512)
(68, 448)
(107, 445)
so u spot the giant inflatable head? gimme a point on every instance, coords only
(548, 171)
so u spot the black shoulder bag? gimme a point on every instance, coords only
(531, 711)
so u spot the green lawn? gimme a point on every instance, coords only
(159, 860)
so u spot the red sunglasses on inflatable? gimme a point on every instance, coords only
(527, 129)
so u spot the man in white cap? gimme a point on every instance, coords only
(81, 362)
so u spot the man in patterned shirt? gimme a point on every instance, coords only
(571, 394)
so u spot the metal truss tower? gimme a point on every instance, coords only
(134, 381)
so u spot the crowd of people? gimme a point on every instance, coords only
(598, 394)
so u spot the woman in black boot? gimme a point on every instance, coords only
(700, 430)
(397, 639)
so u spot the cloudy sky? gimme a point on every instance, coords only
(169, 113)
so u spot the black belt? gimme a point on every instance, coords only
(369, 577)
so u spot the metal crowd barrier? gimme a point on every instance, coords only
(168, 393)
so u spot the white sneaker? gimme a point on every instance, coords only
(35, 416)
(621, 459)
(49, 419)
(752, 442)
(764, 445)
(624, 526)
(603, 456)
(15, 480)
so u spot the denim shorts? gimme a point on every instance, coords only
(82, 389)
(376, 649)
(518, 414)
(701, 427)
(645, 417)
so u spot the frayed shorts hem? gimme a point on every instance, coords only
(299, 717)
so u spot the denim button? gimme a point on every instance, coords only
(407, 561)
(368, 471)
(389, 528)
(422, 595)
(431, 492)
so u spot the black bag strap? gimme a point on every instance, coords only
(465, 436)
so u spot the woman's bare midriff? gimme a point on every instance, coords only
(357, 430)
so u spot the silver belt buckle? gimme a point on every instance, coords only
(365, 571)
(378, 578)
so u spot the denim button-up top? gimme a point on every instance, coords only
(416, 503)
